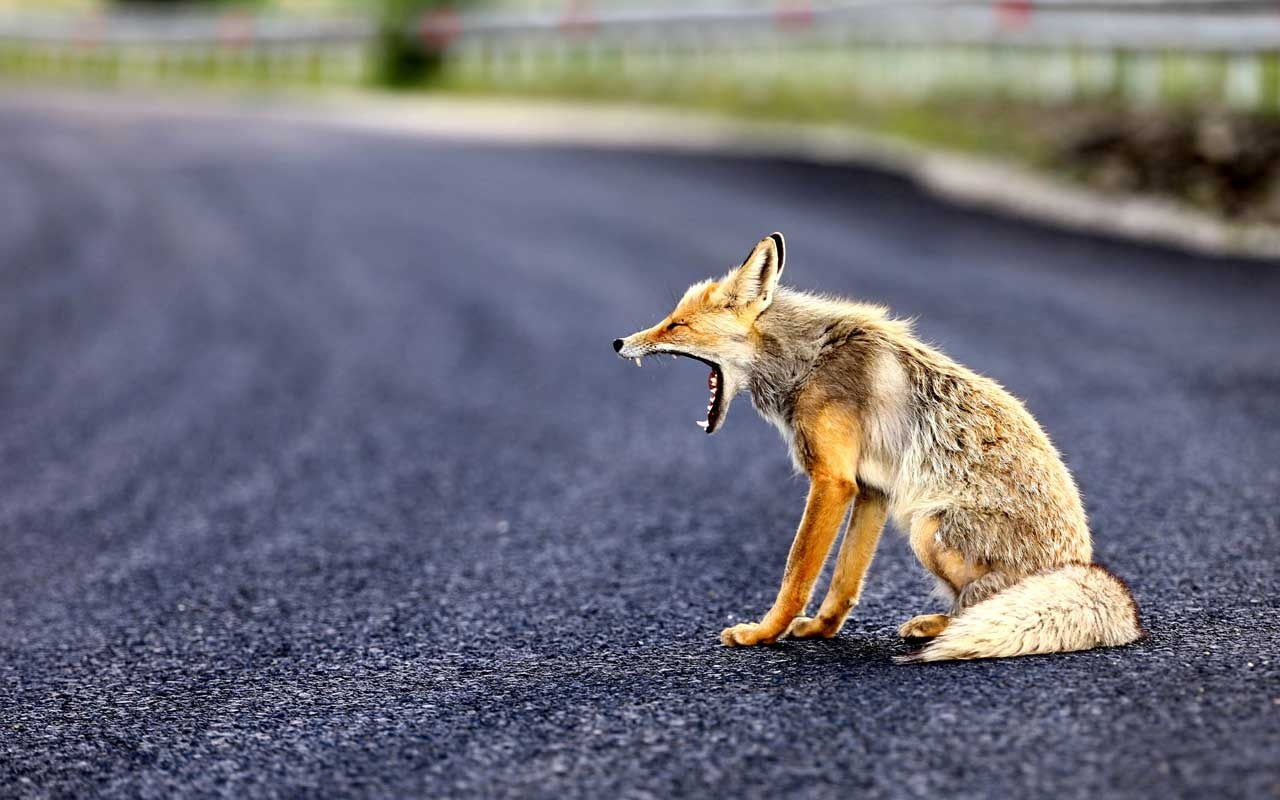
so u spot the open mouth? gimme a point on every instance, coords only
(715, 408)
(715, 403)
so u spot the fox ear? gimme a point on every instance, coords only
(755, 281)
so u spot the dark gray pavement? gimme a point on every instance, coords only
(318, 477)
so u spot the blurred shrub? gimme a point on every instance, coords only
(404, 57)
(1216, 160)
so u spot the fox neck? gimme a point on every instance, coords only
(788, 342)
(795, 337)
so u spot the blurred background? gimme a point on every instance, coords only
(319, 477)
(1171, 98)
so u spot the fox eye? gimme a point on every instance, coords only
(675, 325)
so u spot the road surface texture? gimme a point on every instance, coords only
(319, 477)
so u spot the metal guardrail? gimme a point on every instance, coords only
(1186, 25)
(1144, 52)
(1189, 25)
(915, 39)
(236, 29)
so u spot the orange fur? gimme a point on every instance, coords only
(832, 474)
(872, 413)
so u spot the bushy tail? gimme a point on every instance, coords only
(1074, 607)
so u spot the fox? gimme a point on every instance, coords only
(891, 427)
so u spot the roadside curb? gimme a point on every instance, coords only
(967, 180)
(964, 179)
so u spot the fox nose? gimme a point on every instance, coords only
(617, 345)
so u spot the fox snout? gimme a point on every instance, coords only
(712, 323)
(630, 350)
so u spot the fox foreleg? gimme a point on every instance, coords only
(856, 551)
(828, 501)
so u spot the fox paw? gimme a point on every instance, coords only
(813, 628)
(925, 626)
(749, 633)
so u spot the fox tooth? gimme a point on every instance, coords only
(702, 423)
(638, 364)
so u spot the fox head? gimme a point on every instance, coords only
(714, 323)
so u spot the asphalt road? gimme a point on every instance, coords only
(319, 477)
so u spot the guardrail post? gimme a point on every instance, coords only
(578, 18)
(1013, 14)
(794, 15)
(438, 28)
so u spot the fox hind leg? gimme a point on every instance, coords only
(976, 591)
(924, 626)
(930, 626)
(955, 573)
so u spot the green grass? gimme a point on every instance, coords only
(998, 104)
(948, 120)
